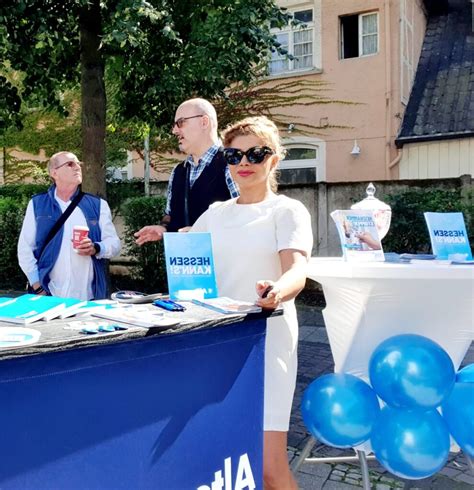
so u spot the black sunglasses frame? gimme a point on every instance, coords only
(255, 155)
(179, 122)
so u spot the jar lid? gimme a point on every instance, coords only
(371, 202)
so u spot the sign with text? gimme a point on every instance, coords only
(448, 236)
(190, 266)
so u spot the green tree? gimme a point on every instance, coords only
(156, 52)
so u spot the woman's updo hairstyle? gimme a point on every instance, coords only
(264, 129)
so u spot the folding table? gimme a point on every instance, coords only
(140, 409)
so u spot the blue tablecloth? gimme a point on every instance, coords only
(163, 412)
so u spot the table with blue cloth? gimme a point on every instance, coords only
(141, 408)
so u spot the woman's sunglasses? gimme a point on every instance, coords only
(256, 154)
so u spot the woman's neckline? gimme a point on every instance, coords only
(269, 197)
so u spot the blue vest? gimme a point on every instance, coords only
(47, 212)
(211, 186)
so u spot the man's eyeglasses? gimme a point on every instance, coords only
(180, 122)
(256, 154)
(70, 164)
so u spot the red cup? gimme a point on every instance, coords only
(78, 234)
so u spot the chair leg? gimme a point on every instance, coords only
(295, 466)
(364, 470)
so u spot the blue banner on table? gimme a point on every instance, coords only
(190, 266)
(448, 236)
(168, 412)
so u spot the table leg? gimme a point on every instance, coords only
(364, 470)
(304, 454)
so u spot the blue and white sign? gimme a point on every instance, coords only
(190, 266)
(448, 236)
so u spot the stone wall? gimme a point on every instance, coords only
(322, 198)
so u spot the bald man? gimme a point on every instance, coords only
(200, 180)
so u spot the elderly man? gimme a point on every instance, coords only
(203, 178)
(45, 249)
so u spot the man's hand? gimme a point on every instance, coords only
(185, 229)
(152, 233)
(86, 247)
(37, 285)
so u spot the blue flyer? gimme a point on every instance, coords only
(448, 236)
(190, 266)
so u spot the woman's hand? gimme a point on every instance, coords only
(269, 295)
(288, 285)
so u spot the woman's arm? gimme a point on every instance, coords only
(290, 283)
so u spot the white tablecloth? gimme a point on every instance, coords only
(369, 302)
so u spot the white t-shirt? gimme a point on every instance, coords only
(246, 241)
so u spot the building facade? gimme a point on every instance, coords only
(366, 51)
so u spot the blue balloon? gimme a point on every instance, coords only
(466, 374)
(458, 412)
(411, 371)
(411, 444)
(340, 410)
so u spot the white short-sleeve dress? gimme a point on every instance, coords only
(246, 239)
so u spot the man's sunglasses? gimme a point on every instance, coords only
(70, 164)
(256, 154)
(180, 122)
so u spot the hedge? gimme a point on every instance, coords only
(12, 212)
(150, 259)
(408, 232)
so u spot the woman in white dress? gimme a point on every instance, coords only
(261, 243)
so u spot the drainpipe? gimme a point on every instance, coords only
(388, 89)
(396, 160)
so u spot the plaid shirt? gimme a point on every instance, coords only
(196, 171)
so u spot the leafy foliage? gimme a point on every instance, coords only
(21, 192)
(156, 53)
(258, 98)
(11, 218)
(118, 192)
(48, 130)
(150, 269)
(9, 105)
(408, 231)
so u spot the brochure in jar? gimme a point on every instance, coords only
(358, 234)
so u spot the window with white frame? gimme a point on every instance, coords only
(297, 41)
(302, 164)
(359, 35)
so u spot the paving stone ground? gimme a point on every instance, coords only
(315, 359)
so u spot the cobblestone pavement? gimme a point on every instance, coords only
(315, 359)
